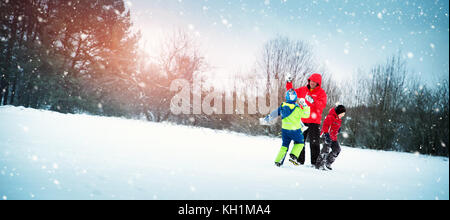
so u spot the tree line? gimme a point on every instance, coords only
(67, 56)
(391, 109)
(83, 57)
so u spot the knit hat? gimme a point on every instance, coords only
(340, 109)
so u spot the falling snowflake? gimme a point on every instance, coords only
(379, 15)
(83, 36)
(345, 135)
(224, 21)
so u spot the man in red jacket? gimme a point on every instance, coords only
(316, 98)
(330, 129)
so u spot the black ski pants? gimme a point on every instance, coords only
(313, 134)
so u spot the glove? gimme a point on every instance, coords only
(327, 138)
(309, 99)
(303, 102)
(304, 127)
(289, 77)
(264, 121)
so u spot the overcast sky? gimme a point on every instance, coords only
(346, 35)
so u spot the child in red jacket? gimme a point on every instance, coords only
(330, 129)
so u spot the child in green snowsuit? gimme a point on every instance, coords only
(291, 114)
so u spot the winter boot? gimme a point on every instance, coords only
(295, 153)
(330, 160)
(321, 160)
(322, 168)
(293, 160)
(281, 155)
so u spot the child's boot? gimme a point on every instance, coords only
(321, 161)
(279, 160)
(293, 160)
(295, 153)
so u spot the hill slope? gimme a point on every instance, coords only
(47, 155)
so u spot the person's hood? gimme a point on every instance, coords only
(316, 78)
(332, 112)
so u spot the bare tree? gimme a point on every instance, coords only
(282, 55)
(180, 58)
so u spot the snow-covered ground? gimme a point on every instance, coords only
(47, 155)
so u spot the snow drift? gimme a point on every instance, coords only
(48, 155)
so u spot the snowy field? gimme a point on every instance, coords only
(47, 155)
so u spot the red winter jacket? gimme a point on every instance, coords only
(319, 96)
(332, 124)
